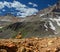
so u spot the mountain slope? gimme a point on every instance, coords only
(45, 24)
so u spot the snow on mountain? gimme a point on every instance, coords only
(57, 20)
(51, 25)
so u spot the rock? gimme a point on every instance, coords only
(3, 50)
(23, 49)
(10, 44)
(48, 50)
(55, 50)
(19, 35)
(36, 38)
(50, 42)
(31, 45)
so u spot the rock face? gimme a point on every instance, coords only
(30, 45)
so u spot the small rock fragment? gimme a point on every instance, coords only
(23, 49)
(10, 44)
(48, 50)
(50, 42)
(3, 50)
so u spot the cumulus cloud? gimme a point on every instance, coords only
(8, 4)
(1, 5)
(17, 4)
(27, 12)
(30, 3)
(23, 9)
(33, 4)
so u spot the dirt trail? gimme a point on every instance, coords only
(30, 45)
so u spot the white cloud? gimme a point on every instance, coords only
(1, 5)
(30, 3)
(22, 8)
(8, 4)
(33, 4)
(27, 12)
(52, 26)
(17, 4)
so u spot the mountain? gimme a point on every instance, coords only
(9, 19)
(46, 23)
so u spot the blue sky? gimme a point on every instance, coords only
(23, 8)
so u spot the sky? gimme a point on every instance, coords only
(23, 8)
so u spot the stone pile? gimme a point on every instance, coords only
(30, 45)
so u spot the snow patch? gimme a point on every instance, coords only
(42, 15)
(56, 19)
(51, 25)
(46, 27)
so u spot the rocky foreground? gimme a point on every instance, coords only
(30, 45)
